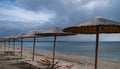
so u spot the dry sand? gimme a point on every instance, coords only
(75, 61)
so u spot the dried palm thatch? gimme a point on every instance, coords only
(55, 31)
(29, 35)
(90, 26)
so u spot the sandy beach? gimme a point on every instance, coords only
(67, 60)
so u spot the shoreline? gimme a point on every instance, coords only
(64, 54)
(79, 61)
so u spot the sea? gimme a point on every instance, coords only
(109, 50)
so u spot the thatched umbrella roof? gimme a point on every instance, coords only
(55, 31)
(30, 35)
(18, 36)
(95, 26)
(6, 38)
(89, 27)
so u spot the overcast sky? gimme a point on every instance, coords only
(18, 16)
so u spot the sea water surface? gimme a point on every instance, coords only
(106, 49)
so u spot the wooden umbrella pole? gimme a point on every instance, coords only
(21, 47)
(97, 46)
(14, 45)
(34, 48)
(9, 45)
(4, 46)
(54, 49)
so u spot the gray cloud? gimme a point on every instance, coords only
(72, 12)
(66, 13)
(65, 10)
(14, 27)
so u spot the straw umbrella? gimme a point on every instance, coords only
(14, 45)
(31, 35)
(14, 37)
(19, 36)
(55, 31)
(95, 26)
(4, 45)
(8, 38)
(3, 40)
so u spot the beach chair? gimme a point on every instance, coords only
(22, 61)
(48, 63)
(35, 65)
(10, 57)
(54, 66)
